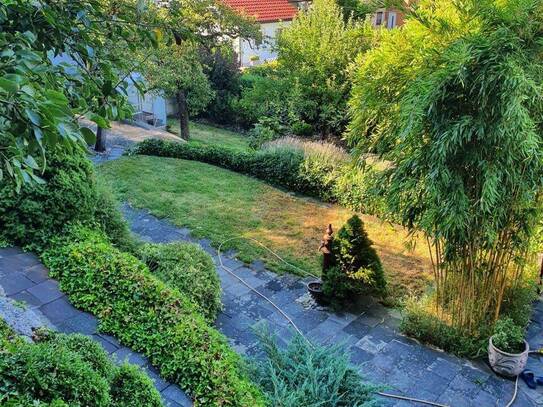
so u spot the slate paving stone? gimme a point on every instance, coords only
(309, 320)
(46, 291)
(83, 323)
(444, 368)
(37, 273)
(18, 262)
(249, 276)
(159, 382)
(125, 354)
(359, 356)
(358, 328)
(15, 283)
(27, 298)
(10, 251)
(58, 310)
(324, 330)
(108, 346)
(173, 392)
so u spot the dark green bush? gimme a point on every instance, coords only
(47, 372)
(39, 211)
(188, 268)
(108, 216)
(70, 194)
(130, 388)
(145, 314)
(312, 376)
(356, 268)
(61, 370)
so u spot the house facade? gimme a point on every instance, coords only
(273, 16)
(387, 18)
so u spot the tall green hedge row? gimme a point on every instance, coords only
(150, 317)
(342, 183)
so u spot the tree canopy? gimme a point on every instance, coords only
(42, 97)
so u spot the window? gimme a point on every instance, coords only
(391, 19)
(379, 18)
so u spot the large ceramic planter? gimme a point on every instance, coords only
(507, 364)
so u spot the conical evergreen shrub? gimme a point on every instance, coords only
(356, 267)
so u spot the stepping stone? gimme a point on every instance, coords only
(46, 291)
(37, 273)
(14, 283)
(59, 310)
(174, 394)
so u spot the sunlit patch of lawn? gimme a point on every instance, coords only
(202, 134)
(219, 204)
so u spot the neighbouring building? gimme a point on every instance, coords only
(388, 18)
(273, 16)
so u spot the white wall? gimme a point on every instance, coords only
(265, 52)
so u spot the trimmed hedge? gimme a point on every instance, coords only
(150, 317)
(68, 370)
(188, 268)
(341, 182)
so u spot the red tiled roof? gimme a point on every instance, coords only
(265, 11)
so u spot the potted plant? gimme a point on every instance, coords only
(507, 349)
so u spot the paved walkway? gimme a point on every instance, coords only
(368, 330)
(30, 299)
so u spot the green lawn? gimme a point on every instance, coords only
(209, 135)
(219, 204)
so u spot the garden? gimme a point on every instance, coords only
(420, 146)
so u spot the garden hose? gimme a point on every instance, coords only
(291, 322)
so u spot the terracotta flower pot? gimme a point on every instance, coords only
(507, 364)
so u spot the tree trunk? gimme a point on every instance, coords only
(100, 145)
(183, 115)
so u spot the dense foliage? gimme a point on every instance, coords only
(310, 375)
(68, 370)
(306, 91)
(308, 171)
(188, 268)
(508, 337)
(54, 65)
(356, 268)
(460, 118)
(70, 194)
(150, 317)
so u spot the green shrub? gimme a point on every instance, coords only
(147, 315)
(48, 373)
(32, 216)
(356, 268)
(188, 268)
(108, 216)
(420, 322)
(89, 351)
(61, 370)
(131, 387)
(71, 194)
(306, 375)
(508, 336)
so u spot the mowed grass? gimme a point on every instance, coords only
(219, 204)
(202, 134)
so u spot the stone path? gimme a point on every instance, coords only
(30, 299)
(368, 330)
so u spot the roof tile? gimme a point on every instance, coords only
(265, 10)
